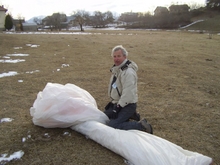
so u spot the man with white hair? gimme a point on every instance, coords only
(123, 93)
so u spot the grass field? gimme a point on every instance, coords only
(178, 88)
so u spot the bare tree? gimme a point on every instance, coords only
(81, 17)
(108, 17)
(55, 21)
(213, 4)
(194, 6)
(38, 21)
(102, 19)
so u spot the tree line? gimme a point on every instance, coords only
(213, 5)
(79, 17)
(130, 20)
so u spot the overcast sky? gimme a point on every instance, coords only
(33, 8)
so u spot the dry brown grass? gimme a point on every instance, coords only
(179, 84)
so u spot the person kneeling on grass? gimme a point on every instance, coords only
(123, 92)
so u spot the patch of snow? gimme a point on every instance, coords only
(13, 73)
(34, 46)
(12, 61)
(15, 155)
(46, 135)
(23, 139)
(76, 33)
(197, 31)
(19, 54)
(15, 60)
(66, 134)
(31, 72)
(17, 47)
(65, 65)
(6, 120)
(10, 73)
(6, 57)
(191, 24)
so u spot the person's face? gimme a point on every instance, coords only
(118, 57)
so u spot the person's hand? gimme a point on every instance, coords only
(115, 110)
(109, 105)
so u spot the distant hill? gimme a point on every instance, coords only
(32, 19)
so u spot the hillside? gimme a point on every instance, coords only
(211, 22)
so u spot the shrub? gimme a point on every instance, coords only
(8, 22)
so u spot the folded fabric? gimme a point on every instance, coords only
(64, 106)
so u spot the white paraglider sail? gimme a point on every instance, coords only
(64, 106)
(71, 106)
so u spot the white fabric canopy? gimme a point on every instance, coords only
(71, 106)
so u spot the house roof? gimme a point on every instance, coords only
(3, 9)
(161, 9)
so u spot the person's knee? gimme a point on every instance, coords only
(112, 123)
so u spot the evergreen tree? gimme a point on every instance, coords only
(8, 22)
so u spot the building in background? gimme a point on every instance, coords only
(2, 17)
(29, 26)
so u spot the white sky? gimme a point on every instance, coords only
(34, 8)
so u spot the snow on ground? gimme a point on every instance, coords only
(192, 24)
(16, 155)
(6, 120)
(70, 32)
(33, 46)
(31, 72)
(7, 59)
(12, 61)
(5, 158)
(17, 47)
(19, 54)
(10, 73)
